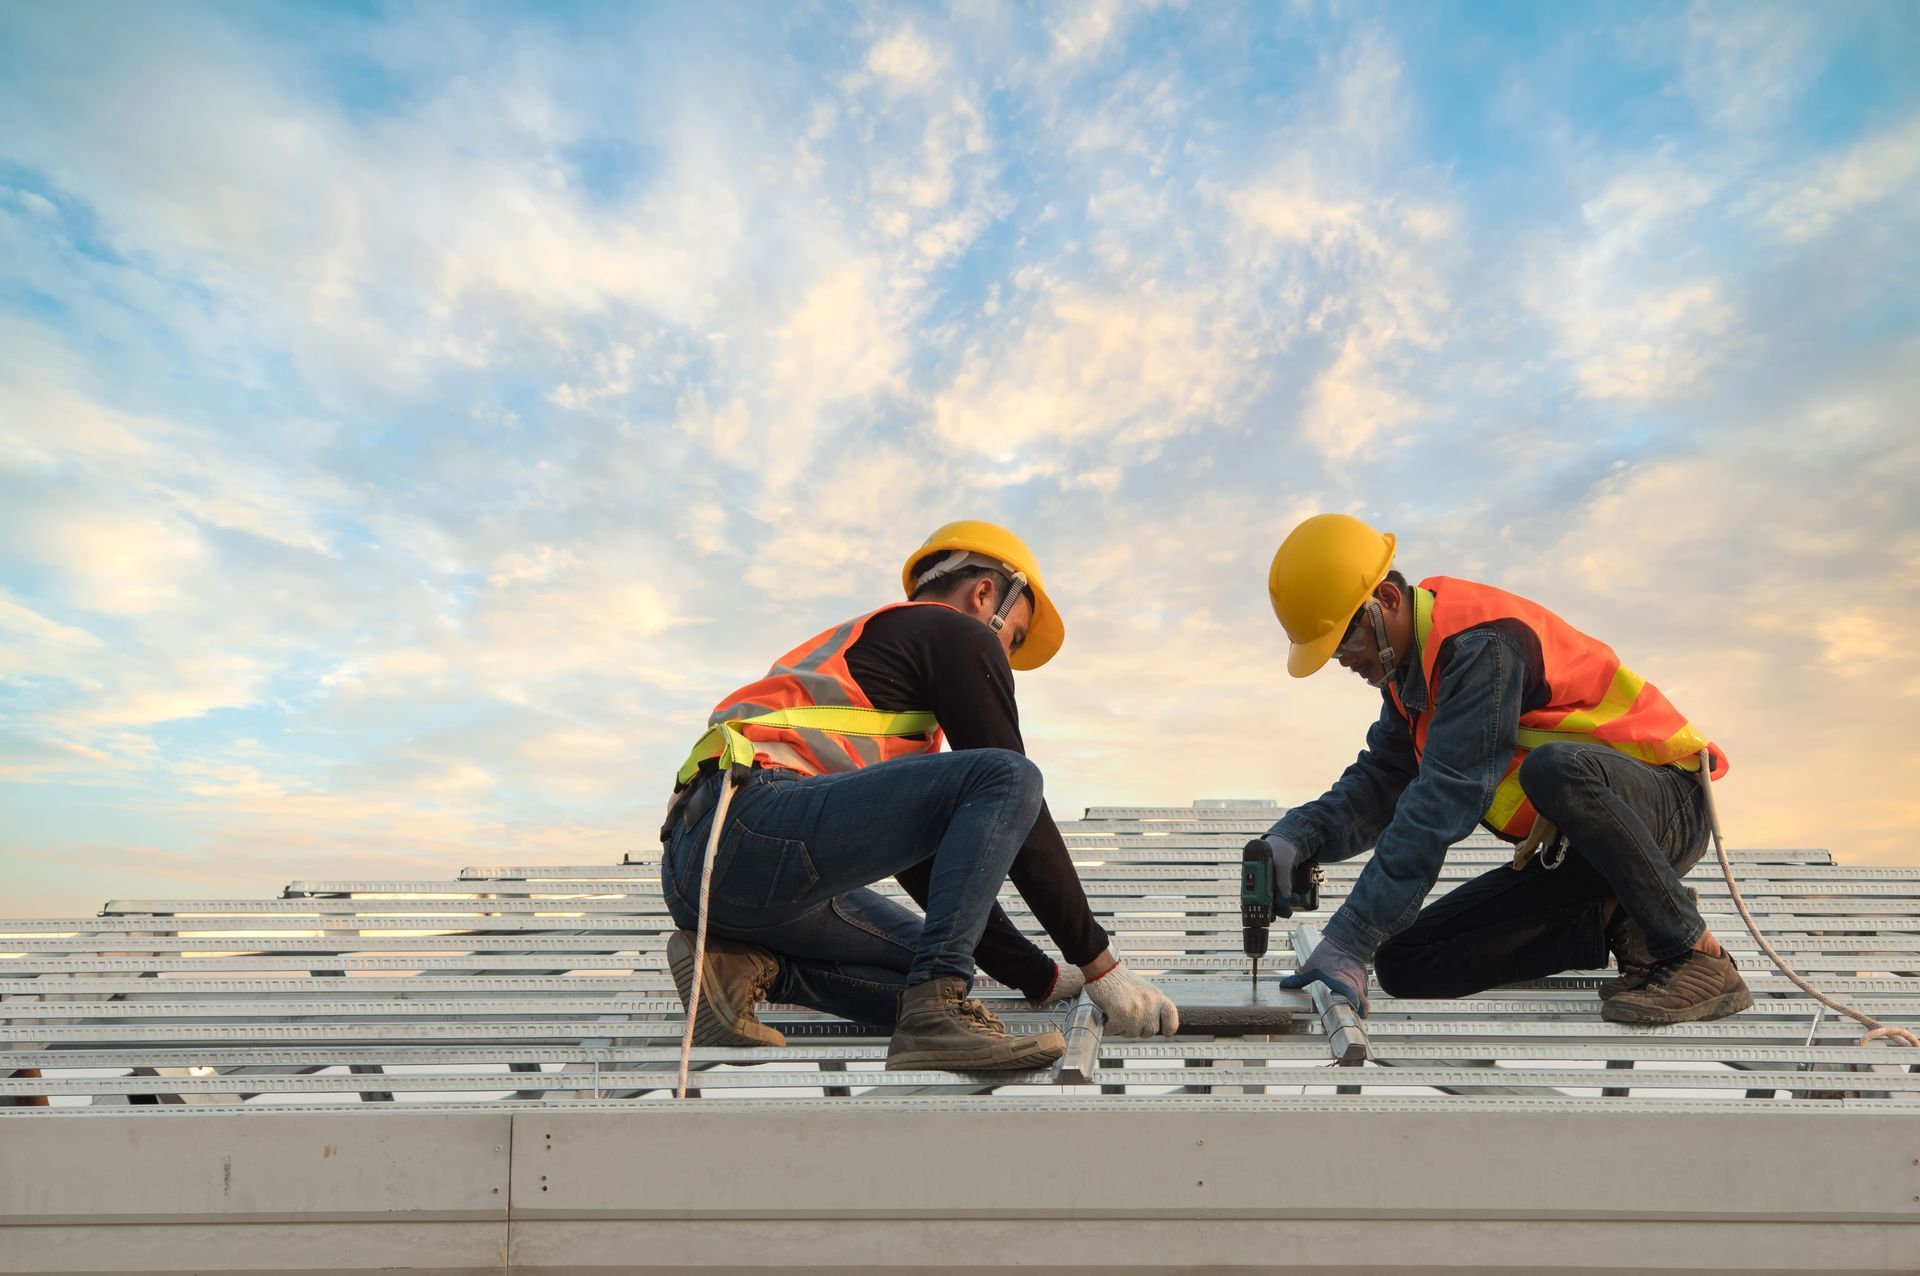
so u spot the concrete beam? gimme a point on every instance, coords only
(1123, 1185)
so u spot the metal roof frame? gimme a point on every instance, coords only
(509, 1036)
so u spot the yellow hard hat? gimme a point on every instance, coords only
(1321, 575)
(1045, 632)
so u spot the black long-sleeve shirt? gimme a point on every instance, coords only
(936, 659)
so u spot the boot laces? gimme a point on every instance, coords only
(1662, 973)
(1633, 977)
(758, 989)
(978, 1011)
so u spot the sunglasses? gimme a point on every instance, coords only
(1353, 628)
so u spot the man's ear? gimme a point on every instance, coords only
(1391, 596)
(981, 593)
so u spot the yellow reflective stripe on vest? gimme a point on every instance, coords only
(1619, 698)
(725, 740)
(1508, 798)
(1577, 727)
(1651, 754)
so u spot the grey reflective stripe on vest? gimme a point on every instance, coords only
(859, 750)
(744, 709)
(818, 656)
(836, 752)
(819, 687)
(830, 749)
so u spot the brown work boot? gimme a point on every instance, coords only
(1681, 989)
(940, 1028)
(1628, 944)
(733, 980)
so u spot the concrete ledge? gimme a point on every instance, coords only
(279, 1167)
(1391, 1247)
(1738, 1163)
(243, 1248)
(836, 1187)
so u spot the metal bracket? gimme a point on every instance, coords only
(1081, 1059)
(1346, 1034)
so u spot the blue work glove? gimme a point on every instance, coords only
(1344, 974)
(1286, 858)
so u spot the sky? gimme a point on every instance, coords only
(413, 419)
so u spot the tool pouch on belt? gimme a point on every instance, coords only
(690, 801)
(675, 809)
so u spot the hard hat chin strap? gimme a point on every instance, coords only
(1378, 616)
(1007, 604)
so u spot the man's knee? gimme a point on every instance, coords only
(1005, 766)
(1546, 773)
(1399, 969)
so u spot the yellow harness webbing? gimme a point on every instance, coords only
(726, 742)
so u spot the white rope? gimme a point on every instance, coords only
(1876, 1028)
(700, 930)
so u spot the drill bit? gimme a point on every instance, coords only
(1253, 971)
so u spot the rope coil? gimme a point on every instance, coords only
(1876, 1029)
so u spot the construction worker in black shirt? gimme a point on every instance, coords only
(848, 787)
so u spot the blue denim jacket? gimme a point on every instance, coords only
(1411, 810)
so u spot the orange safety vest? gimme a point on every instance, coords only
(1591, 696)
(815, 674)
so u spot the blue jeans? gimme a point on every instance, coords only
(1632, 831)
(798, 852)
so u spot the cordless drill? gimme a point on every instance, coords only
(1261, 900)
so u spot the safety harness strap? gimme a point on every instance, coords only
(726, 741)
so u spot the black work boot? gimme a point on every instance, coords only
(1681, 989)
(940, 1028)
(733, 980)
(1628, 944)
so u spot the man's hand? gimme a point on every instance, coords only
(1067, 983)
(1133, 1007)
(1286, 858)
(1344, 974)
(1543, 834)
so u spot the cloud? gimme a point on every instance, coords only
(1084, 32)
(1129, 370)
(837, 345)
(1635, 315)
(1874, 170)
(447, 232)
(904, 62)
(1746, 65)
(28, 627)
(1372, 110)
(161, 477)
(1382, 264)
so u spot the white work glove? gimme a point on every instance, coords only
(1067, 983)
(1133, 1007)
